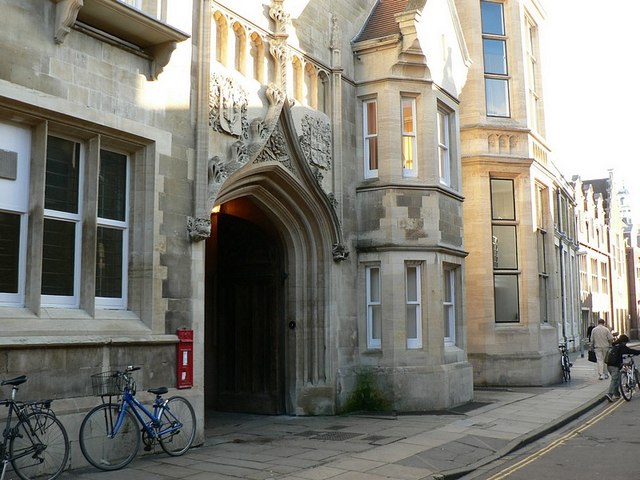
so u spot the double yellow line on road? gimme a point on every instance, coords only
(556, 443)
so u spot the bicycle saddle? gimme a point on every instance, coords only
(158, 391)
(15, 381)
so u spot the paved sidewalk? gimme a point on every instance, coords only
(438, 445)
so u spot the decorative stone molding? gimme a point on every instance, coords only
(278, 47)
(228, 106)
(503, 144)
(315, 142)
(275, 150)
(340, 252)
(199, 228)
(161, 54)
(66, 14)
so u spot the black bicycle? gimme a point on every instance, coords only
(565, 362)
(36, 445)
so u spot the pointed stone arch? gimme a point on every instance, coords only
(276, 176)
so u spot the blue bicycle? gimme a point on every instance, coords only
(110, 433)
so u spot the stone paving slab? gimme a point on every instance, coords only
(434, 445)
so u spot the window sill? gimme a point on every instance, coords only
(120, 21)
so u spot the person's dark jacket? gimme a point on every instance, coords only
(624, 350)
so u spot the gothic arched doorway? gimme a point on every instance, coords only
(244, 353)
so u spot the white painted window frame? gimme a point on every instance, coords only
(414, 342)
(410, 136)
(449, 306)
(444, 146)
(367, 136)
(372, 305)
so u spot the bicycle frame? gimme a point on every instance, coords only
(130, 401)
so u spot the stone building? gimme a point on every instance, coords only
(519, 299)
(602, 223)
(287, 180)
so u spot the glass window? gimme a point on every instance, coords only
(497, 92)
(495, 56)
(413, 306)
(449, 306)
(504, 247)
(9, 252)
(444, 153)
(370, 122)
(374, 313)
(494, 43)
(62, 229)
(502, 200)
(492, 18)
(112, 233)
(506, 298)
(409, 151)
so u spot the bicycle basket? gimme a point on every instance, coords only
(107, 383)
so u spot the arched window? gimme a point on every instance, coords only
(298, 83)
(257, 57)
(323, 92)
(311, 85)
(221, 38)
(240, 48)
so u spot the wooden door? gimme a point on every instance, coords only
(248, 366)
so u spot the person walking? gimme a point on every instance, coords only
(601, 339)
(614, 365)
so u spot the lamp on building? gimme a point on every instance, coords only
(215, 209)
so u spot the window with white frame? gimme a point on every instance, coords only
(413, 300)
(84, 216)
(444, 149)
(374, 306)
(449, 305)
(112, 237)
(370, 131)
(496, 74)
(15, 154)
(409, 147)
(534, 100)
(62, 230)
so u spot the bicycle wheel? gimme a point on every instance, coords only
(99, 448)
(566, 369)
(626, 385)
(40, 447)
(178, 411)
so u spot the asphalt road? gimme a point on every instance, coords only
(600, 445)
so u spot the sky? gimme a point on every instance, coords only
(589, 55)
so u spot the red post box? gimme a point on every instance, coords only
(184, 358)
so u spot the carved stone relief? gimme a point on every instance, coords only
(228, 107)
(276, 150)
(199, 228)
(316, 142)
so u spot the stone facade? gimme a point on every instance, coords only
(312, 187)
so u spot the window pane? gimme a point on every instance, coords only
(412, 284)
(9, 252)
(109, 263)
(506, 298)
(63, 167)
(376, 323)
(492, 18)
(497, 93)
(412, 321)
(112, 186)
(407, 115)
(58, 248)
(373, 153)
(448, 286)
(374, 285)
(495, 56)
(504, 247)
(407, 153)
(448, 324)
(372, 128)
(502, 200)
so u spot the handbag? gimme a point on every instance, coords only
(592, 356)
